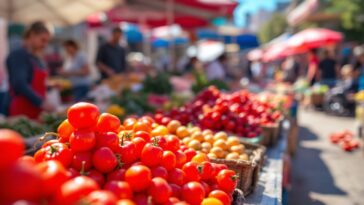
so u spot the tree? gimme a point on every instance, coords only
(272, 28)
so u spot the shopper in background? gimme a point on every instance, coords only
(111, 57)
(313, 67)
(76, 69)
(328, 69)
(27, 74)
(216, 69)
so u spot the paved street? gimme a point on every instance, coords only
(323, 174)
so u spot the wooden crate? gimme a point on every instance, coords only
(270, 134)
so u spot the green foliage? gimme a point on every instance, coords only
(272, 28)
(133, 103)
(201, 83)
(158, 84)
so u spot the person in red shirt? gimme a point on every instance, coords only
(313, 67)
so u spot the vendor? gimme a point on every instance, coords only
(27, 74)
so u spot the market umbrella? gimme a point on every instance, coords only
(57, 12)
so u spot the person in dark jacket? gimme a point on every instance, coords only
(328, 70)
(111, 57)
(27, 74)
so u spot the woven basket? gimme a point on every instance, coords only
(270, 134)
(317, 99)
(247, 171)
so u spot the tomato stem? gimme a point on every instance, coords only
(53, 149)
(44, 137)
(120, 163)
(82, 171)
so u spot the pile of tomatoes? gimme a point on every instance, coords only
(241, 112)
(345, 139)
(98, 160)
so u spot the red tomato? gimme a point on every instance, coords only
(108, 123)
(53, 176)
(140, 199)
(82, 160)
(127, 152)
(206, 170)
(100, 197)
(104, 160)
(121, 189)
(190, 153)
(173, 143)
(82, 140)
(176, 176)
(50, 142)
(151, 155)
(176, 190)
(159, 190)
(127, 202)
(20, 181)
(129, 123)
(144, 135)
(181, 159)
(107, 139)
(139, 145)
(168, 160)
(83, 115)
(96, 176)
(159, 172)
(206, 187)
(222, 196)
(12, 147)
(56, 151)
(218, 167)
(142, 126)
(72, 173)
(118, 175)
(147, 119)
(191, 171)
(193, 193)
(75, 189)
(64, 131)
(27, 159)
(139, 177)
(226, 180)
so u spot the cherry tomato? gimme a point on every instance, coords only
(139, 177)
(100, 197)
(75, 189)
(121, 189)
(12, 147)
(108, 123)
(222, 196)
(168, 160)
(104, 160)
(56, 151)
(118, 175)
(82, 160)
(181, 159)
(173, 143)
(191, 171)
(83, 115)
(176, 176)
(206, 170)
(159, 190)
(193, 193)
(53, 176)
(64, 131)
(151, 155)
(139, 145)
(82, 140)
(142, 134)
(226, 180)
(159, 172)
(107, 139)
(176, 190)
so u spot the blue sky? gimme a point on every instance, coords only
(252, 6)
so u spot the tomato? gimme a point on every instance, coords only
(50, 142)
(173, 143)
(122, 190)
(151, 155)
(176, 190)
(82, 160)
(82, 140)
(104, 160)
(100, 197)
(139, 177)
(129, 123)
(20, 181)
(118, 175)
(159, 190)
(211, 201)
(107, 123)
(206, 188)
(12, 147)
(83, 115)
(75, 189)
(191, 171)
(199, 158)
(126, 202)
(127, 152)
(176, 176)
(206, 170)
(141, 199)
(222, 196)
(218, 167)
(159, 172)
(142, 134)
(56, 151)
(53, 176)
(147, 119)
(64, 131)
(181, 159)
(107, 139)
(142, 126)
(27, 159)
(72, 173)
(190, 153)
(97, 176)
(227, 180)
(193, 193)
(168, 160)
(139, 145)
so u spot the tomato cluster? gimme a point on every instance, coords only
(240, 112)
(100, 161)
(345, 139)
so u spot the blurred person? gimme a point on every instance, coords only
(359, 70)
(111, 57)
(27, 74)
(290, 70)
(313, 67)
(348, 83)
(77, 70)
(216, 70)
(328, 70)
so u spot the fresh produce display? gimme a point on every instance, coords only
(241, 112)
(99, 160)
(345, 140)
(158, 84)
